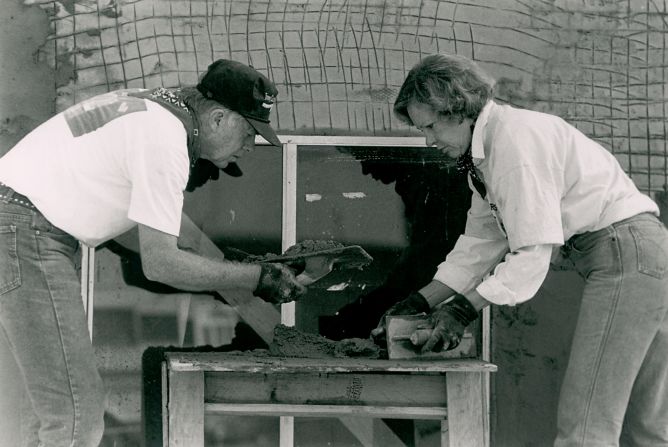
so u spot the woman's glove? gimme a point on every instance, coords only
(413, 305)
(449, 322)
(278, 284)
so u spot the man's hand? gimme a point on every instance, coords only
(413, 305)
(449, 321)
(278, 284)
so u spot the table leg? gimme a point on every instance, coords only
(466, 409)
(185, 409)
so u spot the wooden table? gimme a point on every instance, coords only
(199, 383)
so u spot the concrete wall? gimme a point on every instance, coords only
(27, 89)
(338, 65)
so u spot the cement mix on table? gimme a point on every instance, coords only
(290, 342)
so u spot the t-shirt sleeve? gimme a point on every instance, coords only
(159, 173)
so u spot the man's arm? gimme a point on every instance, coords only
(163, 261)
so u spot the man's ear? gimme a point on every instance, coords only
(216, 116)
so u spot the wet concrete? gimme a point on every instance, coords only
(291, 342)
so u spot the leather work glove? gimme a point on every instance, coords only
(413, 305)
(450, 320)
(278, 284)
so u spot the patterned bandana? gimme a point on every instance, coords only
(465, 164)
(173, 100)
(171, 96)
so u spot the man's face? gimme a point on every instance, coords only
(450, 135)
(226, 138)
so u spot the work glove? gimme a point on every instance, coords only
(278, 284)
(413, 305)
(450, 320)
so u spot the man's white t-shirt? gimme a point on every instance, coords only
(102, 166)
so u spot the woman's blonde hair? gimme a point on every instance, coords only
(451, 85)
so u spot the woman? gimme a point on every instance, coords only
(541, 190)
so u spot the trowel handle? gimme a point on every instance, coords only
(420, 337)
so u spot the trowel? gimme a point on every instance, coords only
(319, 263)
(406, 334)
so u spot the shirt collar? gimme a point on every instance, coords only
(477, 149)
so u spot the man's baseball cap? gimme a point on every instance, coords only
(243, 89)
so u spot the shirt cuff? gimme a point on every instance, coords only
(495, 292)
(451, 276)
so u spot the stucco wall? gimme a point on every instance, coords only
(27, 88)
(338, 63)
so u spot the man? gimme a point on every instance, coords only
(89, 174)
(541, 189)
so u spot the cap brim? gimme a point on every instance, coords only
(266, 131)
(232, 169)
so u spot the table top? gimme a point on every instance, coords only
(247, 362)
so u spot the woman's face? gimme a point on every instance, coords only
(451, 135)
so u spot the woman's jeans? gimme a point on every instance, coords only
(615, 391)
(42, 320)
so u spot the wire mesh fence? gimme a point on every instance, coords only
(338, 64)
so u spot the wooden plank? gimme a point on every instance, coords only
(327, 411)
(258, 314)
(242, 362)
(445, 433)
(344, 140)
(361, 428)
(261, 316)
(185, 409)
(391, 389)
(88, 284)
(288, 238)
(371, 432)
(286, 431)
(466, 421)
(164, 389)
(383, 436)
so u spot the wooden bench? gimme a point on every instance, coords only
(228, 383)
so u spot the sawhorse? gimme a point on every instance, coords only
(225, 383)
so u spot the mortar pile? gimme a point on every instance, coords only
(290, 342)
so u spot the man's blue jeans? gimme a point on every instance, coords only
(615, 391)
(44, 324)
